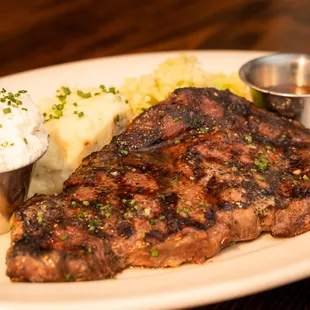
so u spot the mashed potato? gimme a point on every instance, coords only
(181, 71)
(79, 122)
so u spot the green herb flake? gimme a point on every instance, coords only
(143, 234)
(22, 91)
(124, 152)
(177, 141)
(248, 139)
(178, 210)
(64, 237)
(203, 130)
(262, 163)
(253, 170)
(103, 88)
(126, 101)
(26, 141)
(268, 147)
(86, 203)
(81, 114)
(234, 169)
(305, 178)
(175, 119)
(185, 210)
(112, 90)
(66, 90)
(132, 202)
(69, 277)
(175, 180)
(83, 95)
(1, 126)
(11, 226)
(7, 110)
(40, 217)
(117, 118)
(73, 204)
(152, 222)
(260, 178)
(232, 244)
(154, 253)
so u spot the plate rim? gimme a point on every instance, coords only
(176, 301)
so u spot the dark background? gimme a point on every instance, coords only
(36, 33)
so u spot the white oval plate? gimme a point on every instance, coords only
(244, 269)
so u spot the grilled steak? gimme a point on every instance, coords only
(199, 171)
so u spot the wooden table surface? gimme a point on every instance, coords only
(37, 33)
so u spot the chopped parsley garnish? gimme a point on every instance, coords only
(185, 210)
(83, 95)
(132, 202)
(112, 90)
(40, 217)
(86, 203)
(143, 234)
(81, 114)
(151, 221)
(103, 88)
(248, 139)
(203, 130)
(232, 244)
(75, 104)
(305, 178)
(11, 226)
(73, 204)
(124, 152)
(154, 253)
(175, 119)
(126, 101)
(69, 277)
(0, 125)
(66, 90)
(234, 169)
(177, 141)
(260, 178)
(117, 118)
(175, 180)
(261, 163)
(178, 210)
(64, 237)
(26, 141)
(7, 110)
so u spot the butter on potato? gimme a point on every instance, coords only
(78, 122)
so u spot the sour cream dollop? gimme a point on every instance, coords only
(23, 138)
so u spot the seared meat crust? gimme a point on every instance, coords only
(191, 175)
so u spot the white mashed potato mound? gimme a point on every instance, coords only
(180, 71)
(79, 122)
